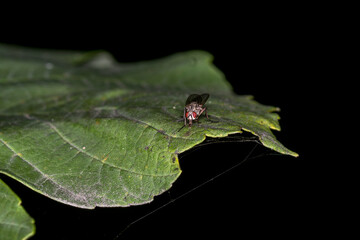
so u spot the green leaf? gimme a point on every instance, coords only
(88, 131)
(15, 223)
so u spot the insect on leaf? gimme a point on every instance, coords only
(80, 129)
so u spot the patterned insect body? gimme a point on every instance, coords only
(194, 107)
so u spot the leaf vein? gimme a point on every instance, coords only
(59, 186)
(53, 127)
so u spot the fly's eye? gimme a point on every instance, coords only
(194, 114)
(186, 114)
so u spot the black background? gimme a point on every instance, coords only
(271, 57)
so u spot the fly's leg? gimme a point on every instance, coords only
(184, 116)
(202, 110)
(207, 116)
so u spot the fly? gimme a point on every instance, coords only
(194, 107)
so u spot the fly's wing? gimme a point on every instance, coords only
(204, 98)
(193, 98)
